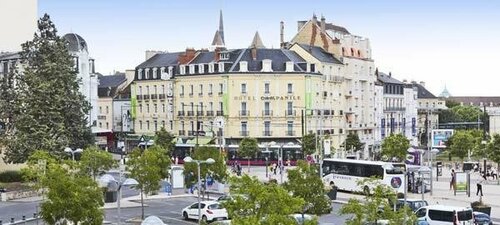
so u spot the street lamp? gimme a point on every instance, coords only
(198, 163)
(69, 150)
(268, 154)
(389, 166)
(421, 171)
(127, 182)
(281, 159)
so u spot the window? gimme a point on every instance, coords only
(243, 66)
(211, 68)
(156, 108)
(156, 125)
(147, 73)
(211, 106)
(267, 128)
(100, 124)
(191, 69)
(147, 124)
(162, 90)
(267, 65)
(182, 69)
(172, 124)
(107, 125)
(201, 89)
(421, 213)
(155, 89)
(201, 69)
(107, 109)
(182, 125)
(139, 74)
(243, 109)
(140, 124)
(147, 90)
(140, 108)
(163, 107)
(221, 88)
(290, 88)
(289, 108)
(244, 128)
(221, 67)
(243, 88)
(147, 108)
(154, 72)
(210, 88)
(100, 109)
(182, 90)
(290, 127)
(191, 89)
(163, 123)
(439, 215)
(266, 88)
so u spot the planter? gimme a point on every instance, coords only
(332, 194)
(483, 209)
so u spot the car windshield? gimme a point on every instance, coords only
(215, 206)
(464, 215)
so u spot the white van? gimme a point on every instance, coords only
(445, 215)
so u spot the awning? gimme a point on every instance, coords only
(98, 130)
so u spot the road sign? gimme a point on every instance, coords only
(143, 138)
(219, 122)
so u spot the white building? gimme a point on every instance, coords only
(396, 109)
(86, 72)
(20, 23)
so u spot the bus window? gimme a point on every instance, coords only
(398, 169)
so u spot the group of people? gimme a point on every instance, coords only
(479, 184)
(236, 168)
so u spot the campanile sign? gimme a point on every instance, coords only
(267, 98)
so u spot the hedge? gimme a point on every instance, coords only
(11, 176)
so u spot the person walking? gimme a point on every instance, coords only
(479, 187)
(452, 181)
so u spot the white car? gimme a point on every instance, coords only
(210, 211)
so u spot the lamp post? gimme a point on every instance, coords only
(421, 171)
(126, 182)
(198, 163)
(268, 154)
(69, 150)
(389, 166)
(281, 159)
(433, 152)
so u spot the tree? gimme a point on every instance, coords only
(248, 149)
(461, 143)
(305, 183)
(148, 167)
(258, 203)
(395, 146)
(309, 144)
(352, 142)
(377, 206)
(165, 140)
(50, 110)
(95, 161)
(65, 187)
(493, 150)
(8, 98)
(217, 170)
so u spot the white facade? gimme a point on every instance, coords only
(20, 23)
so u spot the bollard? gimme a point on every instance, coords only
(0, 222)
(24, 217)
(34, 216)
(11, 220)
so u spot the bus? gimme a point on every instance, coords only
(345, 174)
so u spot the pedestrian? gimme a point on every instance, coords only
(176, 160)
(452, 181)
(275, 168)
(288, 162)
(479, 187)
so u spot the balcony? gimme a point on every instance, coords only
(244, 133)
(199, 113)
(145, 97)
(154, 96)
(139, 97)
(394, 109)
(181, 95)
(190, 113)
(290, 133)
(220, 113)
(181, 113)
(267, 112)
(244, 113)
(200, 94)
(267, 133)
(161, 96)
(210, 94)
(101, 117)
(182, 132)
(221, 93)
(191, 94)
(191, 133)
(210, 113)
(290, 113)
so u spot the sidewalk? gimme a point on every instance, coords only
(135, 201)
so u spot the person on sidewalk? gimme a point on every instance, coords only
(479, 187)
(452, 181)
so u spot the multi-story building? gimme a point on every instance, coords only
(20, 23)
(358, 71)
(396, 109)
(428, 110)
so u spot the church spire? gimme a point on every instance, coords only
(257, 42)
(221, 27)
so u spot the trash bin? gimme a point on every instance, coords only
(110, 196)
(168, 188)
(332, 194)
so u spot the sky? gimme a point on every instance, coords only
(450, 43)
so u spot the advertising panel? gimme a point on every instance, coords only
(461, 182)
(440, 136)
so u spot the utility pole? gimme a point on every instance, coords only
(302, 118)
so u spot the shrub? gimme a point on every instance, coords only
(11, 176)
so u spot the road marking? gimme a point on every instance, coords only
(175, 219)
(173, 212)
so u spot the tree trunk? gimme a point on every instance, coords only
(248, 165)
(142, 205)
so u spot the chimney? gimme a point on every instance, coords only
(315, 19)
(187, 56)
(422, 83)
(217, 54)
(376, 72)
(300, 24)
(405, 81)
(254, 53)
(323, 24)
(390, 75)
(282, 38)
(151, 53)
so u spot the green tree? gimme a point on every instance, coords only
(148, 167)
(71, 196)
(51, 111)
(217, 170)
(309, 144)
(248, 149)
(395, 147)
(8, 98)
(493, 150)
(461, 143)
(95, 161)
(258, 203)
(165, 140)
(352, 142)
(305, 183)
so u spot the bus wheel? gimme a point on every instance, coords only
(366, 190)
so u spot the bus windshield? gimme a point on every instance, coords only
(398, 168)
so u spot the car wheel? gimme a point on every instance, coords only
(204, 218)
(366, 190)
(185, 215)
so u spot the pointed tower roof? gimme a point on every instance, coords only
(218, 41)
(445, 93)
(221, 27)
(257, 42)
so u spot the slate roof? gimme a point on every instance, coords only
(423, 92)
(75, 42)
(476, 100)
(279, 57)
(161, 59)
(384, 78)
(111, 80)
(9, 55)
(331, 26)
(320, 54)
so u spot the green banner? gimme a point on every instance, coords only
(308, 98)
(461, 182)
(225, 96)
(133, 101)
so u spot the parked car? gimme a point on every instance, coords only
(445, 215)
(210, 211)
(482, 218)
(414, 204)
(229, 197)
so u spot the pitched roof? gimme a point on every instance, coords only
(257, 41)
(9, 55)
(422, 92)
(279, 57)
(218, 41)
(384, 78)
(476, 100)
(111, 80)
(161, 59)
(320, 54)
(330, 26)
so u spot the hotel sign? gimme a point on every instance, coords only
(267, 98)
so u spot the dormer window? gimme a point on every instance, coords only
(147, 73)
(267, 65)
(170, 71)
(221, 67)
(139, 74)
(243, 66)
(182, 69)
(191, 69)
(224, 56)
(155, 70)
(289, 66)
(201, 69)
(211, 67)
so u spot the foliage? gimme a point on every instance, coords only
(8, 96)
(248, 149)
(493, 150)
(95, 161)
(395, 146)
(10, 176)
(259, 206)
(65, 187)
(217, 170)
(165, 140)
(376, 206)
(309, 144)
(459, 113)
(50, 110)
(305, 183)
(352, 142)
(461, 142)
(450, 104)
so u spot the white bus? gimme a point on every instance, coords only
(345, 174)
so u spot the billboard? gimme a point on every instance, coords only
(440, 136)
(461, 182)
